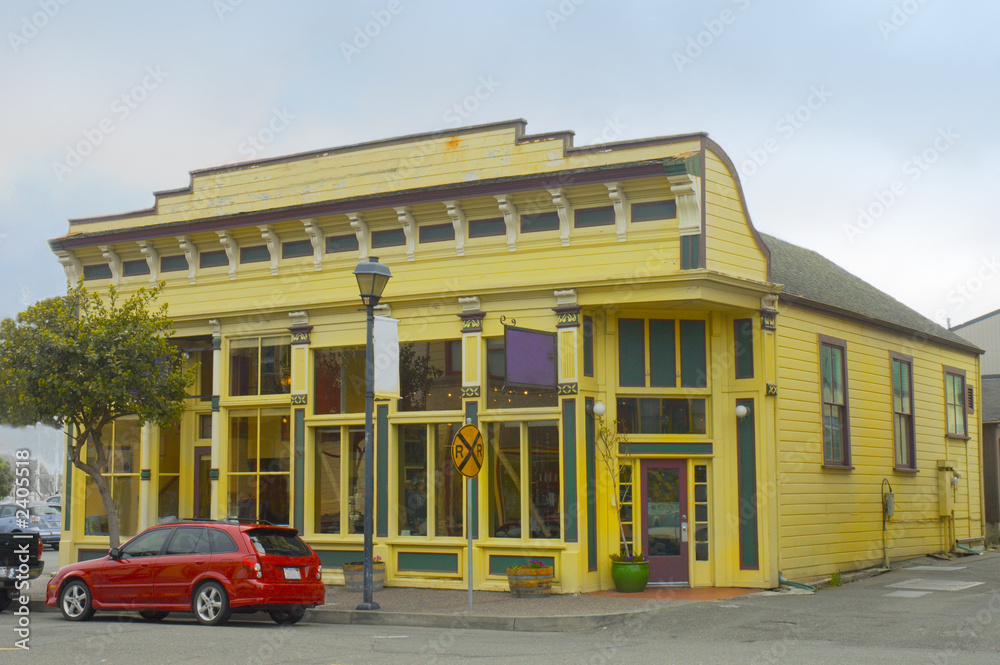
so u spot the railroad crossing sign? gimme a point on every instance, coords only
(467, 451)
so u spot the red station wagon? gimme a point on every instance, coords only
(210, 568)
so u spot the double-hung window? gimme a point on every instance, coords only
(902, 412)
(954, 402)
(833, 376)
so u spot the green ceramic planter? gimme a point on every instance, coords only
(630, 577)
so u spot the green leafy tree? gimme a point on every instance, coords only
(6, 478)
(81, 361)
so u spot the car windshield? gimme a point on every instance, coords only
(42, 510)
(278, 542)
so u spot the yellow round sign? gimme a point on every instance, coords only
(467, 451)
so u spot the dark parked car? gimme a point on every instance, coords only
(209, 568)
(42, 519)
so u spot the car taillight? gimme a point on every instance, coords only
(252, 564)
(319, 572)
(41, 547)
(35, 519)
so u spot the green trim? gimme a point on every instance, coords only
(665, 448)
(768, 319)
(67, 504)
(472, 417)
(145, 474)
(216, 342)
(215, 403)
(690, 252)
(772, 389)
(90, 554)
(213, 474)
(746, 456)
(569, 469)
(499, 563)
(662, 354)
(300, 470)
(382, 469)
(300, 400)
(344, 243)
(689, 165)
(693, 354)
(743, 347)
(427, 562)
(255, 254)
(588, 346)
(591, 443)
(337, 558)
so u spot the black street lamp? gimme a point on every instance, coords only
(372, 277)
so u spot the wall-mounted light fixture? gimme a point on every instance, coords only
(741, 411)
(599, 409)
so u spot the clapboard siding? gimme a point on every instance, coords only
(729, 243)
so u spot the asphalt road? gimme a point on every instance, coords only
(856, 623)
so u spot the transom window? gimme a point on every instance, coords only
(649, 351)
(260, 366)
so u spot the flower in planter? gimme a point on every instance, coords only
(375, 559)
(625, 557)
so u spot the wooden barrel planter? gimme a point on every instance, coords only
(528, 582)
(354, 576)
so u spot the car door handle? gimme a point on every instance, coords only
(200, 563)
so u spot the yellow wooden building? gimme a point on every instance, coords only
(769, 400)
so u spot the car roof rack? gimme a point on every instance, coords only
(226, 520)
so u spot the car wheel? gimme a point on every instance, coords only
(211, 604)
(76, 601)
(4, 599)
(288, 617)
(153, 615)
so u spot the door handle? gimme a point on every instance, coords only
(684, 529)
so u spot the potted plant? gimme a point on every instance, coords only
(354, 575)
(531, 580)
(629, 571)
(629, 568)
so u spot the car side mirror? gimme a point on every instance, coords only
(115, 553)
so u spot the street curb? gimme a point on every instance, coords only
(553, 624)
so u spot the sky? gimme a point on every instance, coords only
(860, 129)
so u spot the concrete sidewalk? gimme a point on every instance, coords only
(437, 608)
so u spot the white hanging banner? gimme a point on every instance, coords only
(386, 351)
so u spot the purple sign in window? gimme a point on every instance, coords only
(531, 357)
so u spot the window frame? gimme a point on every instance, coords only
(845, 461)
(433, 483)
(911, 444)
(961, 405)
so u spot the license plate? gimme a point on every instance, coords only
(293, 574)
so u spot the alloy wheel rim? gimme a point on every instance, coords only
(209, 603)
(74, 601)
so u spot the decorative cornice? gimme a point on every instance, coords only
(232, 251)
(471, 392)
(458, 222)
(509, 210)
(383, 309)
(562, 205)
(216, 334)
(567, 310)
(300, 328)
(300, 400)
(686, 189)
(617, 195)
(114, 262)
(405, 218)
(273, 245)
(190, 255)
(318, 240)
(768, 319)
(361, 231)
(568, 389)
(472, 322)
(772, 390)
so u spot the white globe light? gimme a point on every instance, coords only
(599, 409)
(741, 411)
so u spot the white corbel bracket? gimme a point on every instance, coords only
(190, 255)
(152, 260)
(617, 194)
(457, 221)
(509, 211)
(318, 239)
(273, 245)
(563, 208)
(361, 231)
(409, 230)
(114, 262)
(232, 251)
(686, 189)
(72, 266)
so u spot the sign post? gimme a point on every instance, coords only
(467, 452)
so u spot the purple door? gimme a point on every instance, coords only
(664, 520)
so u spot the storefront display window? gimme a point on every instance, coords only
(430, 376)
(425, 501)
(260, 366)
(259, 463)
(334, 494)
(168, 496)
(121, 473)
(340, 380)
(524, 479)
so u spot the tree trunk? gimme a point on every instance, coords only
(94, 471)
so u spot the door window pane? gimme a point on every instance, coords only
(505, 494)
(663, 512)
(327, 492)
(413, 480)
(543, 476)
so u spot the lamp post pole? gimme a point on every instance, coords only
(372, 277)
